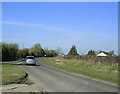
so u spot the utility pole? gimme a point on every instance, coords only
(23, 46)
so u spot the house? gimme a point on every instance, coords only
(101, 54)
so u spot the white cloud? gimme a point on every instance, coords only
(43, 26)
(20, 23)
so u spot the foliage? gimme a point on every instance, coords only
(25, 52)
(53, 53)
(22, 53)
(31, 52)
(91, 52)
(73, 51)
(37, 51)
(9, 51)
(50, 53)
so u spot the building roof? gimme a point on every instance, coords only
(101, 54)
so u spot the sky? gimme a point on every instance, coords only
(87, 25)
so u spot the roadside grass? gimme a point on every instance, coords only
(15, 61)
(106, 72)
(12, 74)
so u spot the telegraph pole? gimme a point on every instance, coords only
(23, 46)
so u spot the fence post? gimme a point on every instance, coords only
(101, 59)
(94, 59)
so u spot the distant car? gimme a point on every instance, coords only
(30, 60)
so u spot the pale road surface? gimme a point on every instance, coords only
(53, 80)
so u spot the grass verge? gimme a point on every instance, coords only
(12, 74)
(106, 72)
(10, 62)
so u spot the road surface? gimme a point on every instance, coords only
(54, 80)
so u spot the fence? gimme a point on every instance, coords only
(95, 59)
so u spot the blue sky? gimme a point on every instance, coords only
(87, 25)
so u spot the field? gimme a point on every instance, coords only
(12, 74)
(106, 72)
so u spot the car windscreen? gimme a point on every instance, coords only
(30, 58)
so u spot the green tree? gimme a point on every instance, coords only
(91, 52)
(5, 52)
(25, 52)
(50, 53)
(20, 53)
(31, 52)
(47, 52)
(73, 51)
(53, 53)
(37, 51)
(9, 51)
(13, 48)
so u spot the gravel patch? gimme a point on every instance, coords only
(30, 85)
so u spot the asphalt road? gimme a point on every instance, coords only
(54, 80)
